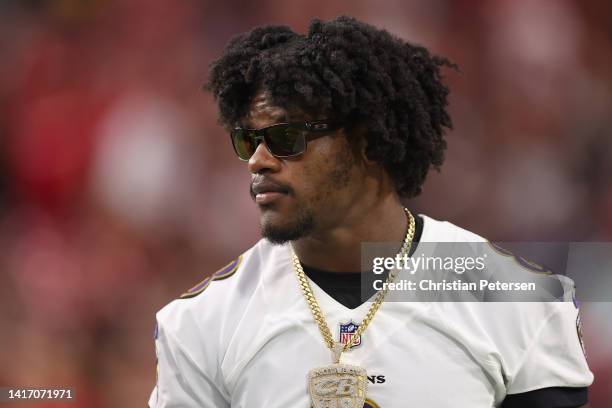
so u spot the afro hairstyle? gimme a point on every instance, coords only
(351, 72)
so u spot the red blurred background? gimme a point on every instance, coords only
(118, 190)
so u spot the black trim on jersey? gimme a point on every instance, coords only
(345, 287)
(553, 397)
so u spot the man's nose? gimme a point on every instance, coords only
(262, 160)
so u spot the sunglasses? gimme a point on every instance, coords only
(282, 139)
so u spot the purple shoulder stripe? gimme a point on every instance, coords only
(223, 273)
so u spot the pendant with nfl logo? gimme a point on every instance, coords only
(337, 386)
(347, 331)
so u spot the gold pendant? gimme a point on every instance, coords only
(337, 386)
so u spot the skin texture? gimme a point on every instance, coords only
(333, 197)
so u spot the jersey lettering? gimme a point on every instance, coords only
(376, 379)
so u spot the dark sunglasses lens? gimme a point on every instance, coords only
(244, 143)
(285, 140)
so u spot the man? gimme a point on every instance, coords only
(337, 126)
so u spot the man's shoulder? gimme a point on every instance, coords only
(226, 291)
(510, 313)
(215, 308)
(245, 270)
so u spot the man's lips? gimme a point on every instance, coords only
(268, 197)
(266, 191)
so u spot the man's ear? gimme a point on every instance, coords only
(360, 133)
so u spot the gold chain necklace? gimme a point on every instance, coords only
(343, 385)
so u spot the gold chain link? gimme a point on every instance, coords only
(380, 296)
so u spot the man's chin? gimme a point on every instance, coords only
(280, 230)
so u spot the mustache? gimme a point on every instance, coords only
(261, 184)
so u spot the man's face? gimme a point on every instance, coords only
(302, 196)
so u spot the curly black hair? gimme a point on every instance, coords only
(349, 71)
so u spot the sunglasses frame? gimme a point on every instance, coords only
(311, 130)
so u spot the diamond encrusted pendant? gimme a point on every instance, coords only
(337, 386)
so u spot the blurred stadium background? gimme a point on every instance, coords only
(118, 190)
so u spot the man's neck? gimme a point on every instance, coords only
(339, 249)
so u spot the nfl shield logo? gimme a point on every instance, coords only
(347, 331)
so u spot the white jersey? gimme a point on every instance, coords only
(247, 339)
